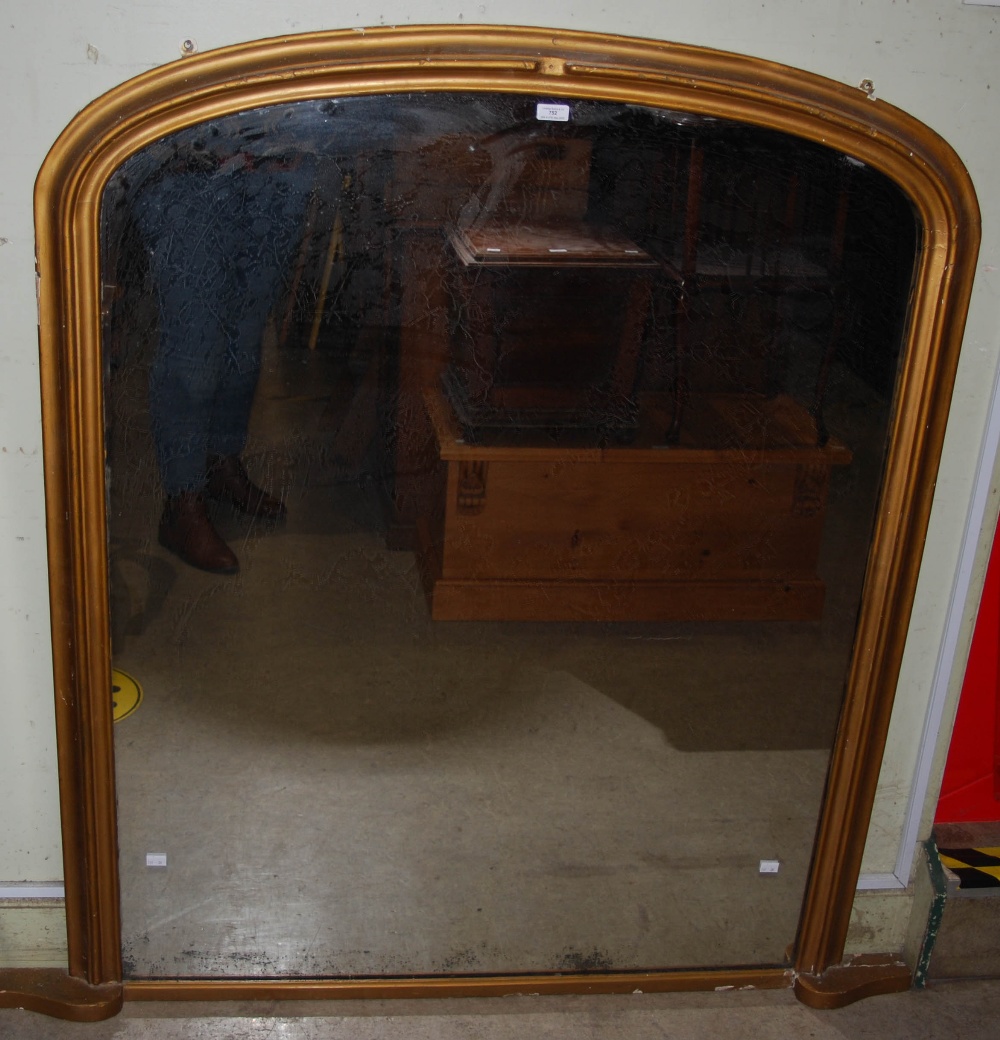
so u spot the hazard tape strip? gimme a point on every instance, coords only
(975, 868)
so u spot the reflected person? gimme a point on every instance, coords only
(221, 220)
(220, 207)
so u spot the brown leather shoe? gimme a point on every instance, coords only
(186, 530)
(228, 479)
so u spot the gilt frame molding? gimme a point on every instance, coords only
(555, 63)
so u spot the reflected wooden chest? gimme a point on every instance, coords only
(725, 530)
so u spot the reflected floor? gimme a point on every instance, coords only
(343, 787)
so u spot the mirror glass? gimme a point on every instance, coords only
(490, 487)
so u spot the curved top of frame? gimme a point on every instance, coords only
(524, 60)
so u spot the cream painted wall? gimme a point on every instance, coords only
(934, 58)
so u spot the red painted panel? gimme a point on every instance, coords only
(970, 791)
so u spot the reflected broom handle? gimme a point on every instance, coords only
(335, 249)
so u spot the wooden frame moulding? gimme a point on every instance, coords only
(554, 63)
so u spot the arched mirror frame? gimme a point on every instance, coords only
(468, 58)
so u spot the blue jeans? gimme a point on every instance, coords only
(219, 244)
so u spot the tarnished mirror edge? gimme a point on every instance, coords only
(470, 58)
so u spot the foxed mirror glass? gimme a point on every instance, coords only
(491, 481)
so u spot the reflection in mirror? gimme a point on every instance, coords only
(490, 487)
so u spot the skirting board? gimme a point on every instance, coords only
(34, 933)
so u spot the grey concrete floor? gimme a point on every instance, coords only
(366, 792)
(965, 1010)
(343, 787)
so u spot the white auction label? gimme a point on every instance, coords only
(770, 866)
(552, 113)
(156, 859)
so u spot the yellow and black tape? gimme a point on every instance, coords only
(976, 868)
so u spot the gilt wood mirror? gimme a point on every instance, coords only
(594, 437)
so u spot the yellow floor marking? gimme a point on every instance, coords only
(126, 695)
